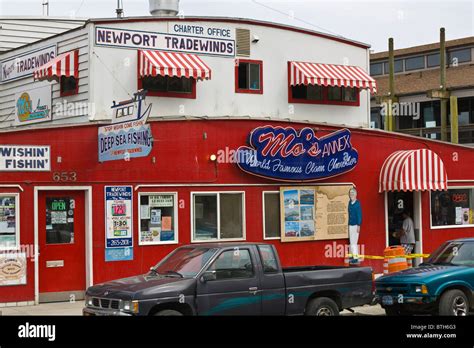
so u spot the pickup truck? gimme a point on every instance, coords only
(443, 285)
(232, 279)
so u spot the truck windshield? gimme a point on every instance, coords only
(454, 253)
(184, 262)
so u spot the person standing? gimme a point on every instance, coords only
(355, 221)
(407, 234)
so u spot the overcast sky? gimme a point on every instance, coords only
(410, 22)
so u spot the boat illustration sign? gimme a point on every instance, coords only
(288, 154)
(128, 139)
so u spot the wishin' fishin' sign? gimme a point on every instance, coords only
(288, 154)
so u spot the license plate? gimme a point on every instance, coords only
(387, 300)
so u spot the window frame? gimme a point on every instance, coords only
(218, 239)
(263, 215)
(216, 257)
(175, 218)
(454, 50)
(17, 221)
(261, 258)
(423, 57)
(191, 95)
(324, 100)
(236, 76)
(76, 90)
(449, 226)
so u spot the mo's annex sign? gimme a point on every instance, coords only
(287, 154)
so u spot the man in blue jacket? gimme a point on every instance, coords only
(355, 220)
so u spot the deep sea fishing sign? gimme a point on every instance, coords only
(287, 154)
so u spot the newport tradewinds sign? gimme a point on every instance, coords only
(288, 154)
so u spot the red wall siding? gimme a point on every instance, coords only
(182, 150)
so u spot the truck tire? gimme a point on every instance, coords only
(168, 313)
(454, 303)
(322, 307)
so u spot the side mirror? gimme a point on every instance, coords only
(208, 276)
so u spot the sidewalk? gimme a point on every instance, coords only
(75, 308)
(57, 308)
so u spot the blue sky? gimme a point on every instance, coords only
(410, 22)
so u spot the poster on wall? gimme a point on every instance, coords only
(12, 268)
(156, 219)
(314, 213)
(118, 222)
(33, 105)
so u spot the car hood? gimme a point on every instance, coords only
(422, 273)
(144, 284)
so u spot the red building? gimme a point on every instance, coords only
(187, 191)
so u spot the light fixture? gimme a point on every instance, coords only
(213, 158)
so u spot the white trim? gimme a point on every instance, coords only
(17, 221)
(88, 230)
(139, 186)
(217, 194)
(175, 217)
(443, 227)
(12, 186)
(263, 215)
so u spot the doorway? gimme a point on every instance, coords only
(62, 245)
(396, 203)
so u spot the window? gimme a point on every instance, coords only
(459, 56)
(398, 66)
(169, 86)
(186, 261)
(376, 69)
(314, 94)
(270, 264)
(9, 220)
(218, 216)
(158, 218)
(433, 60)
(68, 85)
(376, 119)
(271, 215)
(415, 63)
(453, 207)
(233, 264)
(249, 76)
(60, 220)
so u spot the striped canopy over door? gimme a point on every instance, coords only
(66, 64)
(153, 63)
(413, 170)
(302, 73)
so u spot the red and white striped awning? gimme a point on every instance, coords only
(153, 63)
(66, 64)
(413, 170)
(330, 75)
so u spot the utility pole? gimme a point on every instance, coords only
(442, 94)
(45, 6)
(390, 99)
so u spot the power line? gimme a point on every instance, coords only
(296, 18)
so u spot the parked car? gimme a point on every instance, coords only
(443, 285)
(232, 279)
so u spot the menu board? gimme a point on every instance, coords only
(314, 212)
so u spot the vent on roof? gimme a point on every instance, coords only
(243, 42)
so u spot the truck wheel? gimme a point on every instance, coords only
(454, 303)
(322, 307)
(168, 313)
